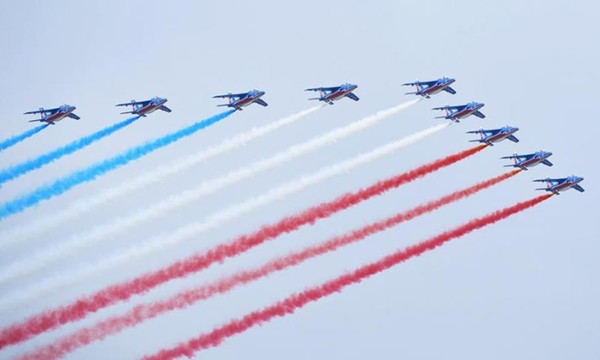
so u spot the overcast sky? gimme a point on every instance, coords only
(525, 288)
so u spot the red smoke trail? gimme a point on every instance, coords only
(120, 292)
(144, 312)
(298, 300)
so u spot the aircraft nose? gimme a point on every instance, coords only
(549, 153)
(514, 129)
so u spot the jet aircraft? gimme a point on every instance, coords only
(52, 116)
(334, 93)
(529, 160)
(143, 108)
(556, 185)
(428, 88)
(238, 101)
(455, 113)
(491, 136)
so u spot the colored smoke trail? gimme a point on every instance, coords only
(15, 171)
(121, 292)
(12, 141)
(296, 301)
(66, 183)
(38, 226)
(58, 252)
(144, 312)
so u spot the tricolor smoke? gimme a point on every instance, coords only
(296, 301)
(66, 183)
(37, 226)
(15, 171)
(116, 293)
(14, 140)
(144, 312)
(58, 252)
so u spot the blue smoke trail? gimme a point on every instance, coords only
(18, 138)
(15, 171)
(64, 184)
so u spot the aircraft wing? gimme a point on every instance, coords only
(450, 90)
(578, 188)
(513, 138)
(547, 162)
(261, 102)
(352, 96)
(333, 88)
(164, 108)
(131, 103)
(429, 83)
(550, 180)
(479, 114)
(40, 111)
(514, 157)
(448, 107)
(73, 116)
(485, 132)
(225, 96)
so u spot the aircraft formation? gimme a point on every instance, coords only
(330, 95)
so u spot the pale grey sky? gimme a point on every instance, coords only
(524, 288)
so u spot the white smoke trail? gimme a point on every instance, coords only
(77, 243)
(39, 226)
(183, 234)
